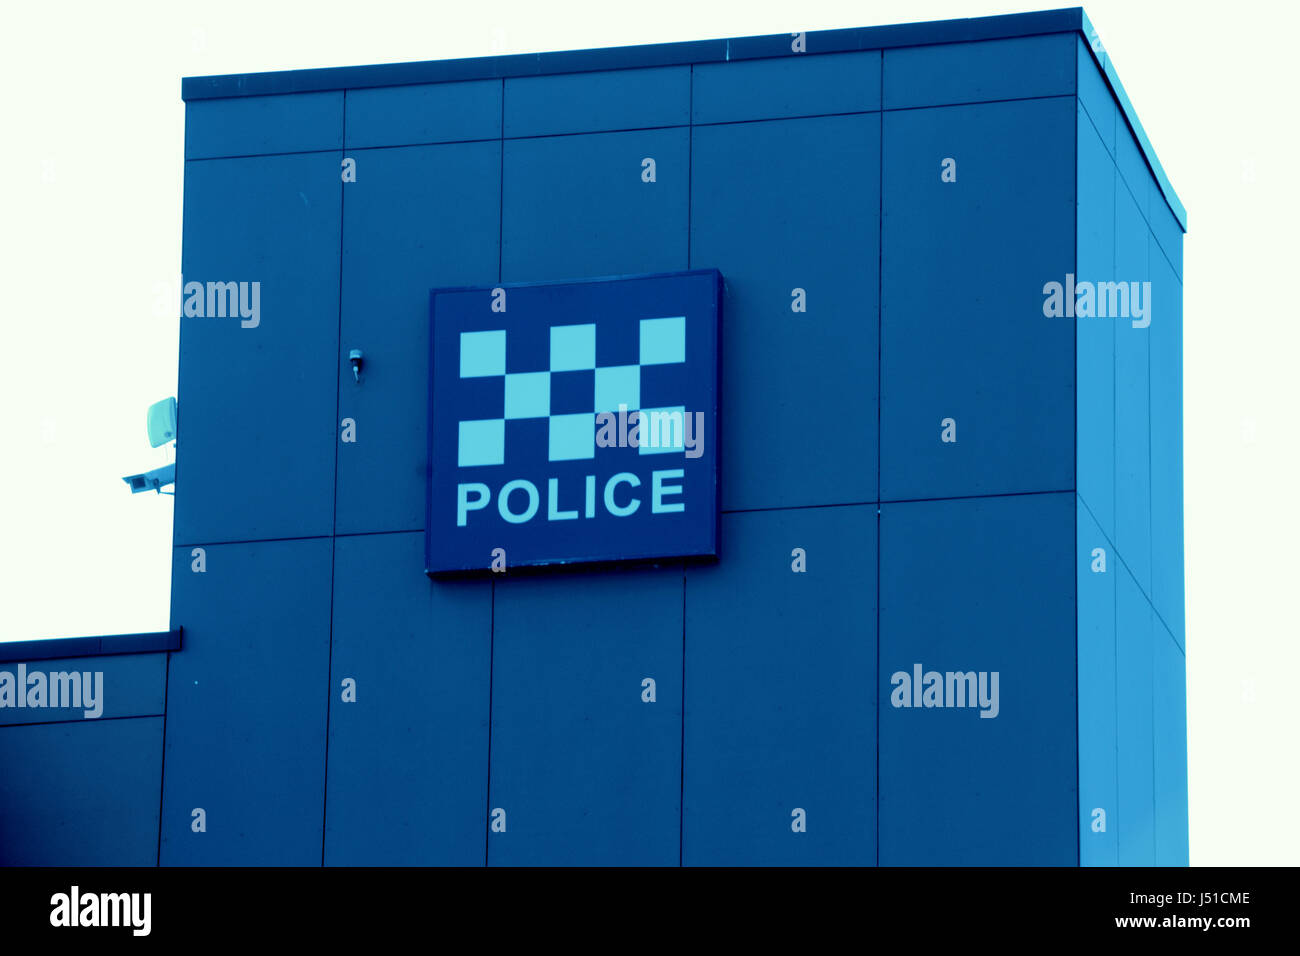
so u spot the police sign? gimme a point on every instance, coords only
(573, 422)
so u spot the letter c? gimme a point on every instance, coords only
(621, 478)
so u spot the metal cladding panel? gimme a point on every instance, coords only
(1095, 342)
(1097, 568)
(1166, 230)
(1133, 170)
(1132, 396)
(1013, 68)
(242, 126)
(1096, 99)
(973, 771)
(597, 102)
(780, 738)
(1168, 595)
(785, 87)
(1170, 730)
(428, 113)
(126, 685)
(580, 206)
(795, 233)
(246, 705)
(416, 218)
(586, 770)
(408, 748)
(1134, 716)
(80, 794)
(977, 382)
(255, 452)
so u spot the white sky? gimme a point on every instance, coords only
(91, 138)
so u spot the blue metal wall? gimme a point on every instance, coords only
(1132, 673)
(521, 698)
(77, 791)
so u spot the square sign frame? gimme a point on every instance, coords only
(573, 422)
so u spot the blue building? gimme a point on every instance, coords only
(940, 618)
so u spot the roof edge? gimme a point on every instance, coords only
(629, 57)
(853, 39)
(65, 647)
(1107, 66)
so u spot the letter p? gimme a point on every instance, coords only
(463, 503)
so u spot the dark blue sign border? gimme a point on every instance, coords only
(713, 418)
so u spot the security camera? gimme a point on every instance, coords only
(153, 480)
(161, 425)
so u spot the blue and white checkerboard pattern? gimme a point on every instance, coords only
(528, 394)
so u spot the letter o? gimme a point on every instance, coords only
(503, 500)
